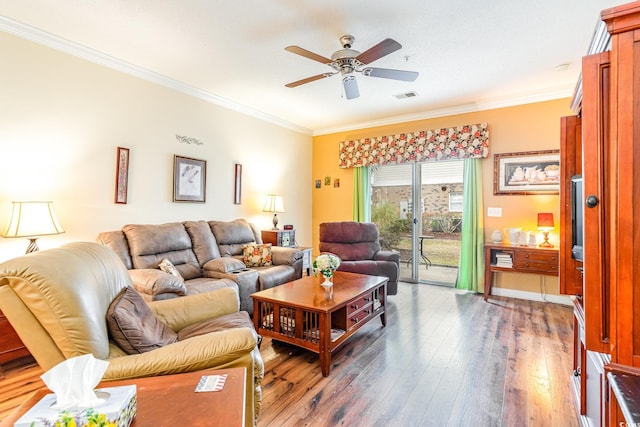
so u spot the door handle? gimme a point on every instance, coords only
(591, 201)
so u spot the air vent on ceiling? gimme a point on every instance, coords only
(411, 94)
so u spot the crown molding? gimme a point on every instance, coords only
(480, 105)
(58, 43)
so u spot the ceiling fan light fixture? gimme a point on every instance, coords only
(350, 86)
(347, 62)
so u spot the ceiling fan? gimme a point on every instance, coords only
(348, 61)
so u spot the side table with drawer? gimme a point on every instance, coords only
(11, 347)
(285, 238)
(524, 259)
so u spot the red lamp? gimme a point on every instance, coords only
(545, 224)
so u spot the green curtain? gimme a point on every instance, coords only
(471, 271)
(361, 195)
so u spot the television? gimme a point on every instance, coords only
(577, 218)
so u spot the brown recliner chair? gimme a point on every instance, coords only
(358, 247)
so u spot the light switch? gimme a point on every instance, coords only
(494, 212)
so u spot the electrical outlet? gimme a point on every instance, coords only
(494, 212)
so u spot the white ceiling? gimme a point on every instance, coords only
(471, 55)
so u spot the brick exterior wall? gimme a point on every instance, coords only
(435, 199)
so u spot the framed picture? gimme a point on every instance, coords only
(189, 179)
(122, 175)
(531, 172)
(237, 184)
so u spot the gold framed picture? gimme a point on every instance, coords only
(530, 172)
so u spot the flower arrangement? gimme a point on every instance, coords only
(326, 264)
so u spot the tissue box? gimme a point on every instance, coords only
(117, 410)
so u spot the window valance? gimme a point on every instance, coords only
(468, 141)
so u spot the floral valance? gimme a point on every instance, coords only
(468, 141)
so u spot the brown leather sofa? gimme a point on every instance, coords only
(357, 244)
(57, 301)
(207, 254)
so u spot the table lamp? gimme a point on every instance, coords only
(273, 203)
(545, 224)
(32, 220)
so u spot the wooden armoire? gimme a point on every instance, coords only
(602, 144)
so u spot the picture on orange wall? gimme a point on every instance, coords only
(336, 182)
(318, 183)
(327, 180)
(122, 175)
(531, 172)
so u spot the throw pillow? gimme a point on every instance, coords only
(133, 326)
(168, 267)
(257, 255)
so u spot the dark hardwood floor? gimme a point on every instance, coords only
(445, 358)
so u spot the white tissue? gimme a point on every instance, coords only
(74, 380)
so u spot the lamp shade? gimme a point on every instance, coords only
(545, 221)
(31, 219)
(273, 203)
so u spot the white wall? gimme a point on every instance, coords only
(61, 119)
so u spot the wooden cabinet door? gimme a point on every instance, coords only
(596, 173)
(625, 176)
(571, 161)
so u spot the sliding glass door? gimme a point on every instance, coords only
(418, 210)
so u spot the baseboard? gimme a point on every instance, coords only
(531, 296)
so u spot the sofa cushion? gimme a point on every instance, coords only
(152, 282)
(168, 267)
(133, 326)
(275, 275)
(203, 241)
(205, 284)
(150, 244)
(257, 255)
(117, 241)
(232, 236)
(224, 265)
(240, 319)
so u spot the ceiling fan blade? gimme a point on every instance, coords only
(309, 79)
(350, 86)
(385, 47)
(386, 73)
(308, 54)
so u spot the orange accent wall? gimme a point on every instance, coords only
(529, 127)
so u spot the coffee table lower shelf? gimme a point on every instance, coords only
(304, 314)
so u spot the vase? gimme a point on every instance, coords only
(497, 236)
(327, 281)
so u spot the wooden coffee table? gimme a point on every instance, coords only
(170, 400)
(305, 314)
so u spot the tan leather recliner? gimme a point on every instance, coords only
(57, 301)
